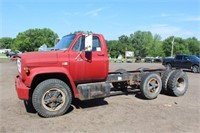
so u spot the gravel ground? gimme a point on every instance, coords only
(115, 114)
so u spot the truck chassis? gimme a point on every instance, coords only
(56, 96)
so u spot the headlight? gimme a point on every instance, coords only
(19, 65)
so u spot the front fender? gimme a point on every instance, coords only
(45, 70)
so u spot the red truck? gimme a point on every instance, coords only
(78, 67)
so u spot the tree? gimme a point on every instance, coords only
(112, 48)
(180, 46)
(123, 45)
(141, 41)
(6, 42)
(156, 47)
(167, 46)
(124, 39)
(32, 39)
(193, 46)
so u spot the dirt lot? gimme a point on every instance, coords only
(116, 114)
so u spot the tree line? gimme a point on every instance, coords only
(143, 43)
(29, 40)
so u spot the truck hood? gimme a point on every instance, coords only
(39, 58)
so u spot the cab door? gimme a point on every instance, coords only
(187, 63)
(178, 61)
(88, 66)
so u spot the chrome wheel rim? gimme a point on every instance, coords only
(153, 85)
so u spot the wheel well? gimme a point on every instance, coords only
(41, 77)
(195, 65)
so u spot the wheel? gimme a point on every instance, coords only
(195, 69)
(168, 66)
(178, 83)
(165, 78)
(150, 85)
(121, 85)
(52, 98)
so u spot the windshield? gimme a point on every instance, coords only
(194, 57)
(65, 42)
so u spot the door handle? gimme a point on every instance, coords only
(100, 54)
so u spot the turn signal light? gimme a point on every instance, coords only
(26, 69)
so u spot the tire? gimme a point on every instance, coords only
(195, 69)
(52, 98)
(165, 78)
(121, 85)
(178, 83)
(150, 85)
(168, 66)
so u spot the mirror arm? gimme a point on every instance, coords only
(79, 54)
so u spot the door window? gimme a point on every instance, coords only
(179, 57)
(80, 44)
(186, 58)
(96, 46)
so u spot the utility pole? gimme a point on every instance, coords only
(172, 50)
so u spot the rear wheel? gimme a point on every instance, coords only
(51, 98)
(165, 78)
(150, 85)
(195, 69)
(178, 83)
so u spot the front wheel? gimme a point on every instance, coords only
(150, 85)
(52, 98)
(168, 66)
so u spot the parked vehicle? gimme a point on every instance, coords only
(153, 59)
(191, 62)
(11, 53)
(138, 59)
(149, 59)
(129, 56)
(78, 67)
(158, 60)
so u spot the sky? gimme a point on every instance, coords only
(112, 18)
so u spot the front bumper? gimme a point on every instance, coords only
(22, 89)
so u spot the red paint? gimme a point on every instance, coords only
(22, 90)
(78, 66)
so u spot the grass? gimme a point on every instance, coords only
(3, 58)
(1, 54)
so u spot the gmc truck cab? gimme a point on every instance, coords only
(78, 67)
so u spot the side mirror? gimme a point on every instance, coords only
(88, 43)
